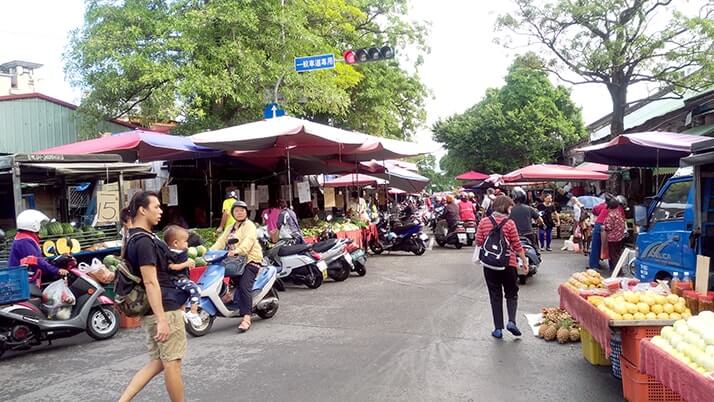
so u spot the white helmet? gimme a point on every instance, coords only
(31, 220)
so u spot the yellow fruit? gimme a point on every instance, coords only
(648, 298)
(675, 316)
(659, 299)
(643, 308)
(596, 300)
(651, 316)
(668, 308)
(628, 317)
(686, 315)
(629, 297)
(663, 316)
(657, 308)
(672, 299)
(614, 316)
(602, 307)
(610, 302)
(639, 316)
(620, 308)
(679, 308)
(619, 299)
(632, 308)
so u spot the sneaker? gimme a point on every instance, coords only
(512, 328)
(193, 318)
(548, 249)
(497, 333)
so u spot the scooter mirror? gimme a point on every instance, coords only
(641, 216)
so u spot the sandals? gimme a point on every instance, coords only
(243, 328)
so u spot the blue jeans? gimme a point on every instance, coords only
(545, 236)
(594, 260)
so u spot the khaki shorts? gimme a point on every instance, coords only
(175, 347)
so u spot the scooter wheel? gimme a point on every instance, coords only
(522, 279)
(441, 243)
(313, 280)
(269, 313)
(360, 269)
(98, 326)
(206, 324)
(459, 245)
(340, 274)
(419, 247)
(376, 248)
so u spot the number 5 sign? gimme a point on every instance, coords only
(107, 206)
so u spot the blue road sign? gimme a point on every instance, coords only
(312, 63)
(273, 110)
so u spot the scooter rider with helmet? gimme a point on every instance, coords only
(26, 246)
(241, 240)
(523, 215)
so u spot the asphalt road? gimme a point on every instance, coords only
(413, 329)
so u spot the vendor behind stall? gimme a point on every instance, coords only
(26, 247)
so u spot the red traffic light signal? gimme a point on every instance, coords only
(368, 54)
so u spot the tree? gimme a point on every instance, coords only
(438, 181)
(619, 43)
(211, 64)
(526, 121)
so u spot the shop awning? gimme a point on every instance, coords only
(354, 179)
(545, 172)
(472, 176)
(138, 145)
(78, 171)
(398, 177)
(649, 149)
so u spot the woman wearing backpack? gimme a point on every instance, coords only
(501, 279)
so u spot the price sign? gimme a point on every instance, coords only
(107, 206)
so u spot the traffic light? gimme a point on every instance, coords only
(368, 54)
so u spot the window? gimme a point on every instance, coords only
(673, 202)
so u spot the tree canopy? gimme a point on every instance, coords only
(619, 43)
(211, 64)
(526, 121)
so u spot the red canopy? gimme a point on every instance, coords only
(552, 173)
(354, 179)
(472, 176)
(593, 167)
(648, 149)
(137, 145)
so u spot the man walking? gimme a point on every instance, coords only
(163, 324)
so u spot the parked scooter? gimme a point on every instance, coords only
(359, 258)
(434, 217)
(457, 236)
(334, 252)
(298, 263)
(408, 238)
(215, 293)
(534, 261)
(25, 324)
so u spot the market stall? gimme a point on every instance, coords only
(649, 149)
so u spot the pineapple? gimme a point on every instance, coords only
(574, 335)
(563, 335)
(550, 333)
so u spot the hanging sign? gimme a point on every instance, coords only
(329, 197)
(107, 206)
(303, 188)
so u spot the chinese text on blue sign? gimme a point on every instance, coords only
(311, 63)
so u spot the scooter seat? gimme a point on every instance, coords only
(35, 291)
(405, 227)
(324, 245)
(291, 250)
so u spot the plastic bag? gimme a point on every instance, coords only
(98, 271)
(57, 297)
(475, 258)
(88, 269)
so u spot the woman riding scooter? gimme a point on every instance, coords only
(26, 247)
(247, 245)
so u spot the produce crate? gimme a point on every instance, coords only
(14, 284)
(615, 356)
(128, 322)
(592, 351)
(638, 387)
(631, 337)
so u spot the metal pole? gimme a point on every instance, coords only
(210, 192)
(17, 187)
(120, 184)
(290, 182)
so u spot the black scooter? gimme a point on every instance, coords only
(534, 261)
(25, 324)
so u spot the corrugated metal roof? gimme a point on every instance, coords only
(701, 130)
(33, 123)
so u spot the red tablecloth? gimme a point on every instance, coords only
(677, 376)
(589, 317)
(355, 235)
(370, 233)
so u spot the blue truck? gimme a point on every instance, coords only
(678, 224)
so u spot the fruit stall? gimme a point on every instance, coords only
(70, 188)
(618, 316)
(359, 232)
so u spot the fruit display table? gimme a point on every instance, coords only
(355, 235)
(674, 374)
(593, 320)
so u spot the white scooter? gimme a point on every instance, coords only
(298, 263)
(339, 261)
(214, 290)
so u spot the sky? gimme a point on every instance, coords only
(464, 60)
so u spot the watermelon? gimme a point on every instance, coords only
(67, 228)
(192, 252)
(54, 229)
(110, 261)
(200, 262)
(201, 250)
(43, 231)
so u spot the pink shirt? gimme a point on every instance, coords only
(272, 221)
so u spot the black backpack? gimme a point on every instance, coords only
(130, 294)
(495, 252)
